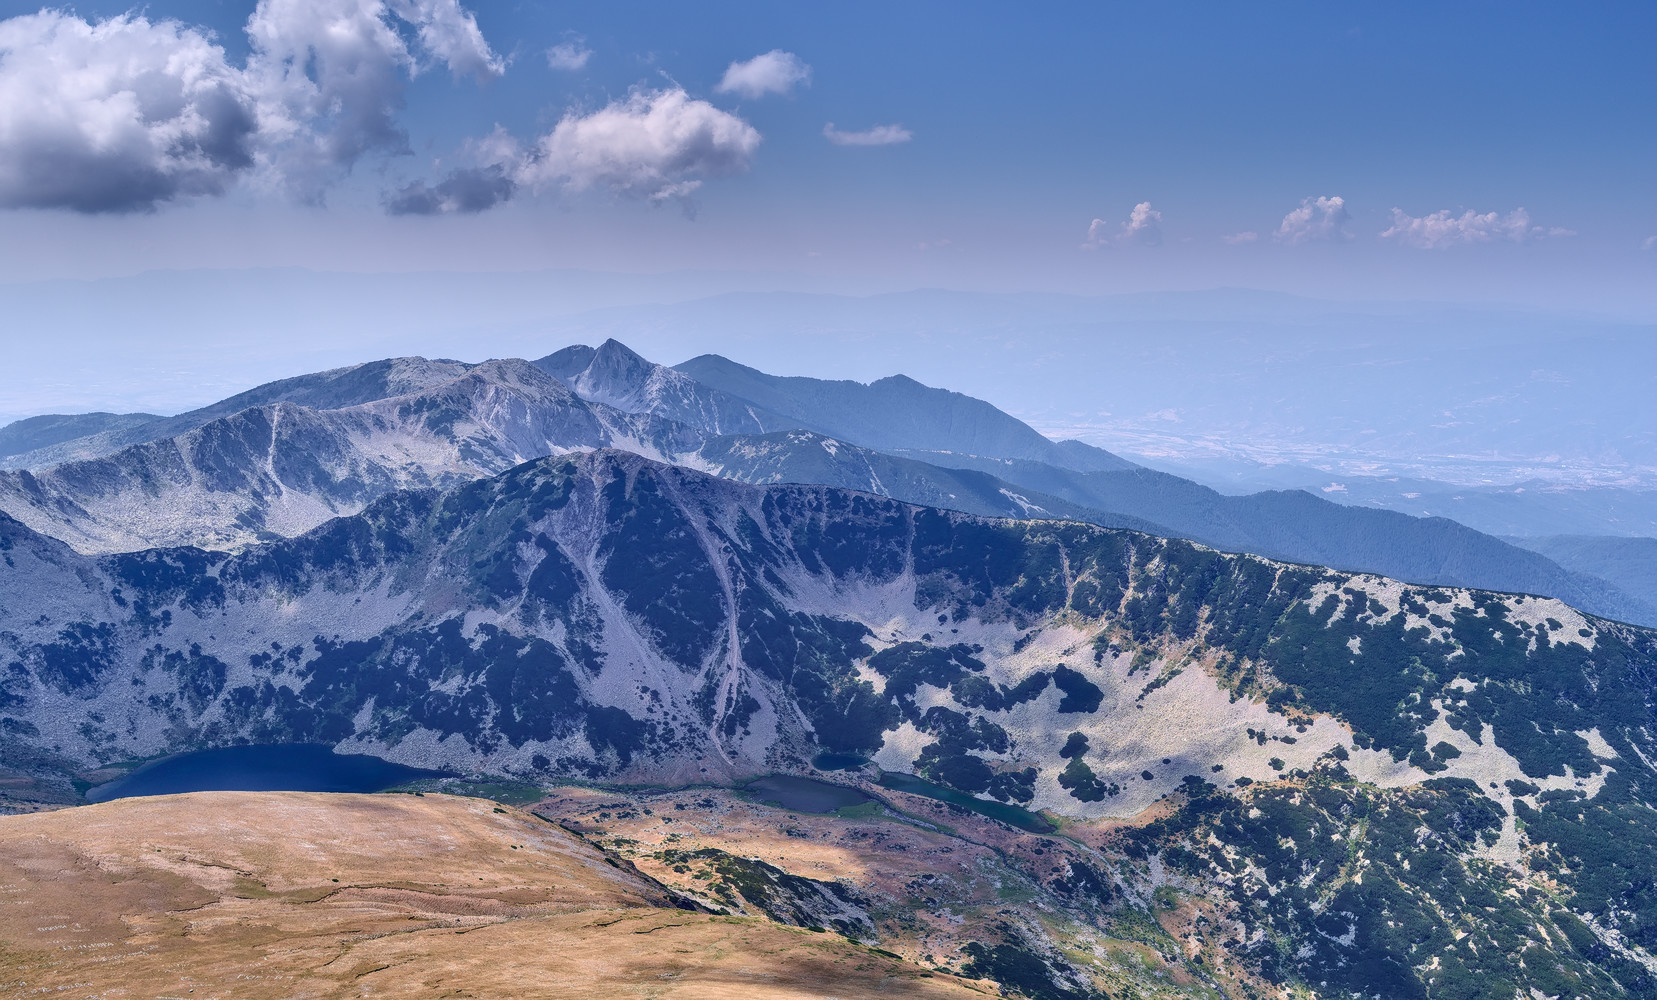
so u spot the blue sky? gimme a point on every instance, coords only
(1528, 126)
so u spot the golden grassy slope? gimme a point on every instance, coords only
(929, 892)
(291, 895)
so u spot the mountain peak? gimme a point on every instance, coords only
(565, 364)
(614, 360)
(615, 375)
(902, 381)
(615, 348)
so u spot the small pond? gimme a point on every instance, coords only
(262, 768)
(1012, 815)
(803, 794)
(829, 761)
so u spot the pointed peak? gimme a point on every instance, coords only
(614, 364)
(613, 350)
(900, 380)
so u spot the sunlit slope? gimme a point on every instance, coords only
(291, 895)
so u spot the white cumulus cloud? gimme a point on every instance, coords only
(1317, 219)
(880, 135)
(123, 114)
(332, 75)
(653, 144)
(774, 72)
(1143, 228)
(450, 32)
(1443, 229)
(568, 56)
(119, 115)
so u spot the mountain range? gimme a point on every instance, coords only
(603, 617)
(1252, 750)
(281, 458)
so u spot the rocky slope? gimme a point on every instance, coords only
(604, 614)
(279, 469)
(614, 375)
(281, 458)
(326, 390)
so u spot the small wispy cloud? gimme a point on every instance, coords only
(569, 56)
(880, 135)
(1236, 239)
(774, 72)
(1649, 244)
(1143, 228)
(1321, 219)
(1442, 229)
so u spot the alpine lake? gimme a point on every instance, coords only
(260, 768)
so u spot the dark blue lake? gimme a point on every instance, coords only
(289, 767)
(804, 794)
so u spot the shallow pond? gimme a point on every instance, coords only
(1012, 815)
(828, 761)
(803, 794)
(261, 768)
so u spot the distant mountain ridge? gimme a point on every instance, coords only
(898, 413)
(1628, 563)
(614, 375)
(808, 457)
(336, 441)
(328, 390)
(34, 435)
(280, 469)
